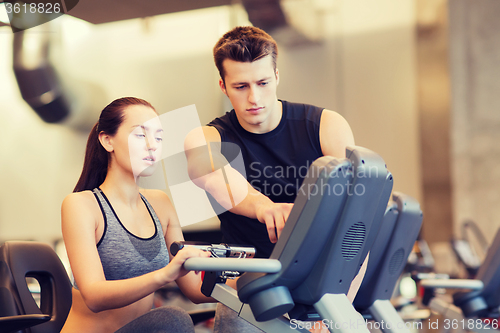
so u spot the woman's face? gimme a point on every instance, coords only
(138, 141)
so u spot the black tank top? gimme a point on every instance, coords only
(275, 164)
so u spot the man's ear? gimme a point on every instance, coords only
(106, 142)
(222, 86)
(277, 76)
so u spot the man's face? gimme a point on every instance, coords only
(251, 88)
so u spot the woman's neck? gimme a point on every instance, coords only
(121, 187)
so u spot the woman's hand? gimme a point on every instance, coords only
(175, 269)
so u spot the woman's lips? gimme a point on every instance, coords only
(149, 159)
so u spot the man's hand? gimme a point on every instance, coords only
(274, 215)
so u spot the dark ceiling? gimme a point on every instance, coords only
(266, 14)
(102, 11)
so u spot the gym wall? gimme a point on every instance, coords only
(363, 66)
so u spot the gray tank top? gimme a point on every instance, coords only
(123, 254)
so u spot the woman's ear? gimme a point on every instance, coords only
(106, 142)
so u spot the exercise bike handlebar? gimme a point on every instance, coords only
(453, 284)
(233, 264)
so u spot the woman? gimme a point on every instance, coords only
(117, 235)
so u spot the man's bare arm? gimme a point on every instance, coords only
(211, 171)
(335, 134)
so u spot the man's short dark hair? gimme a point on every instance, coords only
(244, 44)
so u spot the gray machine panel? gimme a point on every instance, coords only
(325, 238)
(389, 254)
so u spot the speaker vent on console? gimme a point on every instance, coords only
(396, 261)
(353, 240)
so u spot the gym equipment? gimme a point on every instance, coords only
(466, 248)
(333, 224)
(482, 301)
(36, 76)
(217, 250)
(18, 309)
(388, 256)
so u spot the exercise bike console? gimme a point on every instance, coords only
(331, 227)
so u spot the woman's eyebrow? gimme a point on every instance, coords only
(145, 128)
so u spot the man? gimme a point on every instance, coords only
(278, 140)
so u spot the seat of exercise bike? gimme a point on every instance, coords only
(336, 226)
(21, 322)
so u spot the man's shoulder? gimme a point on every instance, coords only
(301, 111)
(225, 126)
(223, 120)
